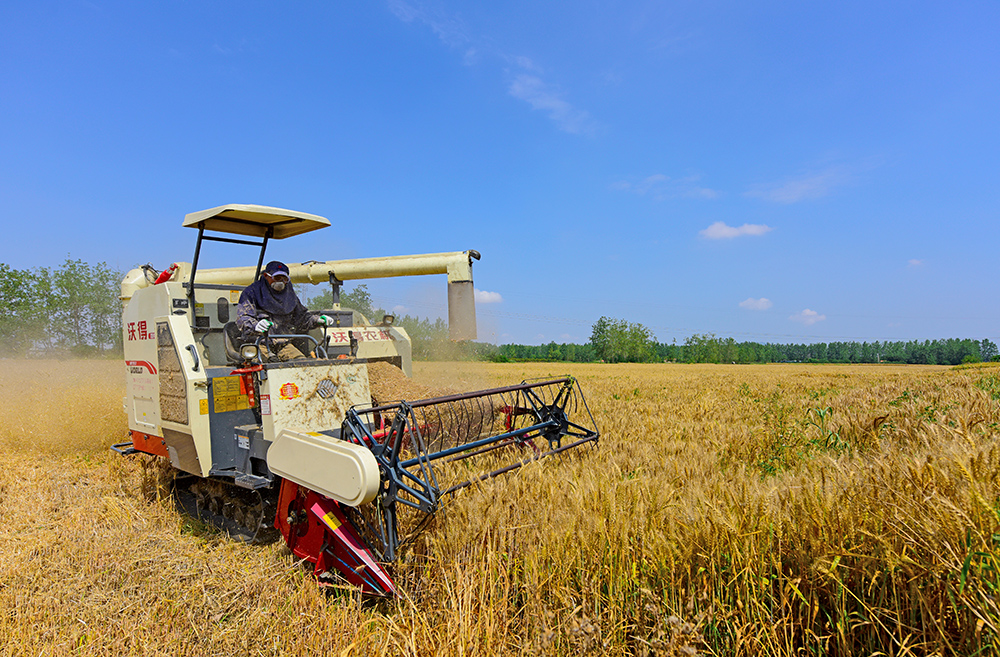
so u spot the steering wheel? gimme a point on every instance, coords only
(268, 339)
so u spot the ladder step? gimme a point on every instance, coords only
(251, 481)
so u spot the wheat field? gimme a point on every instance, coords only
(729, 510)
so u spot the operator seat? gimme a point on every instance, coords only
(232, 338)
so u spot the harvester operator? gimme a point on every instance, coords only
(270, 304)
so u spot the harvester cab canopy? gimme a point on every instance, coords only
(256, 221)
(259, 221)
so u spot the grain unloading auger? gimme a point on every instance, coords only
(311, 447)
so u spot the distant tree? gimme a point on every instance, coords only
(665, 352)
(616, 340)
(553, 352)
(728, 351)
(568, 352)
(429, 338)
(22, 318)
(585, 353)
(359, 299)
(748, 353)
(987, 349)
(702, 348)
(640, 343)
(603, 337)
(72, 308)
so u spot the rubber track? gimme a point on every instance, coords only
(245, 515)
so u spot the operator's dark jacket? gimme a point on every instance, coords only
(258, 301)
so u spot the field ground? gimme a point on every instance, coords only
(729, 510)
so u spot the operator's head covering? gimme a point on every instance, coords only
(275, 268)
(263, 296)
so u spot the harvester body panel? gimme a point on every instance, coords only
(377, 342)
(340, 470)
(166, 387)
(311, 394)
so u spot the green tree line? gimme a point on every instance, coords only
(712, 349)
(616, 340)
(73, 308)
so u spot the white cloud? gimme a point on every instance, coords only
(452, 32)
(661, 187)
(534, 91)
(721, 231)
(527, 85)
(404, 11)
(915, 263)
(399, 310)
(488, 297)
(802, 188)
(654, 181)
(807, 317)
(701, 192)
(756, 304)
(526, 63)
(611, 77)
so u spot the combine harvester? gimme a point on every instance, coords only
(298, 447)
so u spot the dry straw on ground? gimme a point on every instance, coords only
(731, 510)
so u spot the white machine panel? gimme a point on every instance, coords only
(314, 396)
(340, 470)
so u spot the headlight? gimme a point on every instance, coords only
(387, 320)
(249, 352)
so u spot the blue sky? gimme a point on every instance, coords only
(772, 171)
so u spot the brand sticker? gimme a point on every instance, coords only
(140, 366)
(344, 336)
(289, 391)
